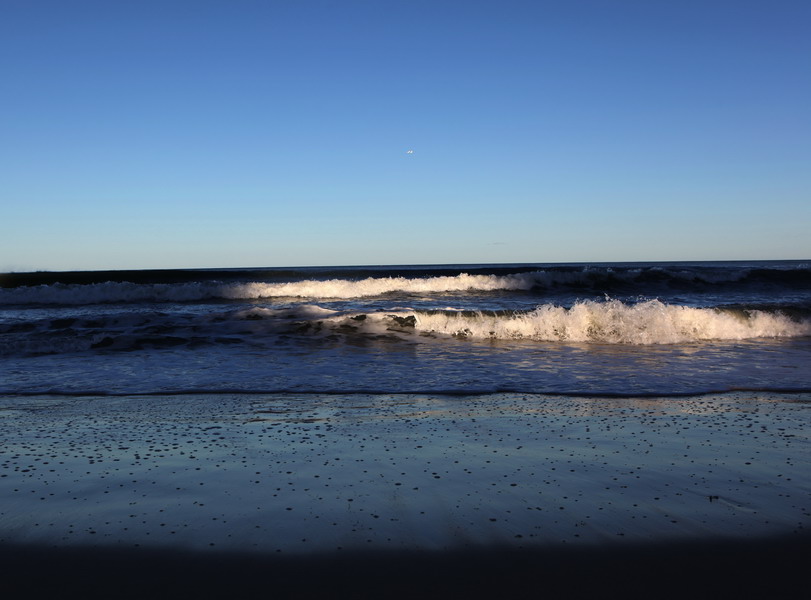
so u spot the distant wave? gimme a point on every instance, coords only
(108, 292)
(598, 280)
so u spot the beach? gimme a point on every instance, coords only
(360, 482)
(415, 300)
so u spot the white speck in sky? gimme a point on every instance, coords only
(409, 152)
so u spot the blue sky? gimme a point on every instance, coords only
(200, 133)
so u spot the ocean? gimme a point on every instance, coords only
(625, 329)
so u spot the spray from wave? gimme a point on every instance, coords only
(614, 322)
(607, 322)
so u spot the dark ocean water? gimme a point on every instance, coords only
(600, 329)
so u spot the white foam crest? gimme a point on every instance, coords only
(376, 286)
(651, 322)
(304, 311)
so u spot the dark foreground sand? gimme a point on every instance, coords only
(380, 496)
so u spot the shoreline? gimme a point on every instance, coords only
(422, 479)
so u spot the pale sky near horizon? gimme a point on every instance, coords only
(202, 133)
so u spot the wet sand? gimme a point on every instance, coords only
(360, 495)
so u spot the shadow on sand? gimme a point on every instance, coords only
(773, 567)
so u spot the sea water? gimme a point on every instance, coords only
(585, 329)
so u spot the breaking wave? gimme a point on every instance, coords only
(605, 322)
(614, 322)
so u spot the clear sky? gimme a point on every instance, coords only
(203, 133)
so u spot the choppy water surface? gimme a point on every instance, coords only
(667, 328)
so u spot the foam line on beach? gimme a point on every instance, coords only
(782, 391)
